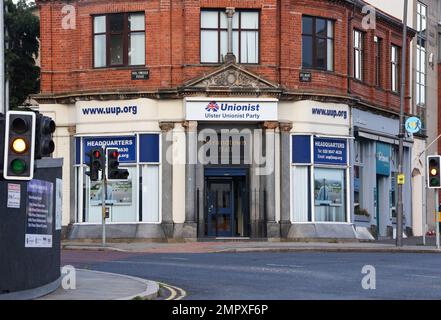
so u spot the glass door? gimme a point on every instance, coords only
(220, 208)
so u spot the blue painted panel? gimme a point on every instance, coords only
(301, 149)
(77, 150)
(149, 148)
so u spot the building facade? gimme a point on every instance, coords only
(424, 17)
(252, 119)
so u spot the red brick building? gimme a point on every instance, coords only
(144, 69)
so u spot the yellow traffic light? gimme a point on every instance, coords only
(19, 145)
(433, 172)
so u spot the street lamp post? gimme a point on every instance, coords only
(399, 233)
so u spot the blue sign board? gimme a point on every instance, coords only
(149, 148)
(301, 149)
(413, 125)
(330, 151)
(383, 156)
(126, 146)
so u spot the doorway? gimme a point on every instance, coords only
(226, 206)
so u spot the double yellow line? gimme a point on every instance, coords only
(176, 293)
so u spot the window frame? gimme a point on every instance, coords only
(360, 52)
(314, 38)
(395, 69)
(126, 32)
(421, 50)
(239, 30)
(378, 50)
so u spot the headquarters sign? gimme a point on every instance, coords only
(231, 110)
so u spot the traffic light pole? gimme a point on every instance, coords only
(103, 207)
(437, 218)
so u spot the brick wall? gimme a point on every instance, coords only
(173, 47)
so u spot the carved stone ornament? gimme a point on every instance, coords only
(166, 126)
(231, 76)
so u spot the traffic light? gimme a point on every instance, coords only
(44, 145)
(434, 172)
(96, 163)
(19, 145)
(113, 170)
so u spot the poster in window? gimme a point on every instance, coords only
(328, 187)
(118, 192)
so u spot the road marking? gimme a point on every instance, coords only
(176, 292)
(180, 259)
(424, 276)
(283, 265)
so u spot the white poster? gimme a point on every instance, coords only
(58, 204)
(14, 196)
(39, 214)
(231, 109)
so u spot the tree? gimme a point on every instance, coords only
(23, 31)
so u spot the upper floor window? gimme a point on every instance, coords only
(358, 55)
(119, 40)
(421, 54)
(378, 47)
(317, 43)
(395, 68)
(214, 36)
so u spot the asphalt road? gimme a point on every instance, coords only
(281, 276)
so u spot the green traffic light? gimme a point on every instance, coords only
(18, 166)
(434, 182)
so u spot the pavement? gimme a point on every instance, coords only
(96, 285)
(412, 245)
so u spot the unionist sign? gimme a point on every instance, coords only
(231, 109)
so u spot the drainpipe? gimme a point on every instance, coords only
(351, 17)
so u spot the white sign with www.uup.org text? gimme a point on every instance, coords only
(231, 109)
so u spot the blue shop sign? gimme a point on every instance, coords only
(330, 151)
(383, 156)
(126, 146)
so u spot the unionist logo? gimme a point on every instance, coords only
(212, 106)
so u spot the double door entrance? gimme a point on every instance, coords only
(226, 206)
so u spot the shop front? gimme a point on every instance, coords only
(375, 171)
(319, 171)
(135, 206)
(232, 158)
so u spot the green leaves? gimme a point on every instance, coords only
(23, 31)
